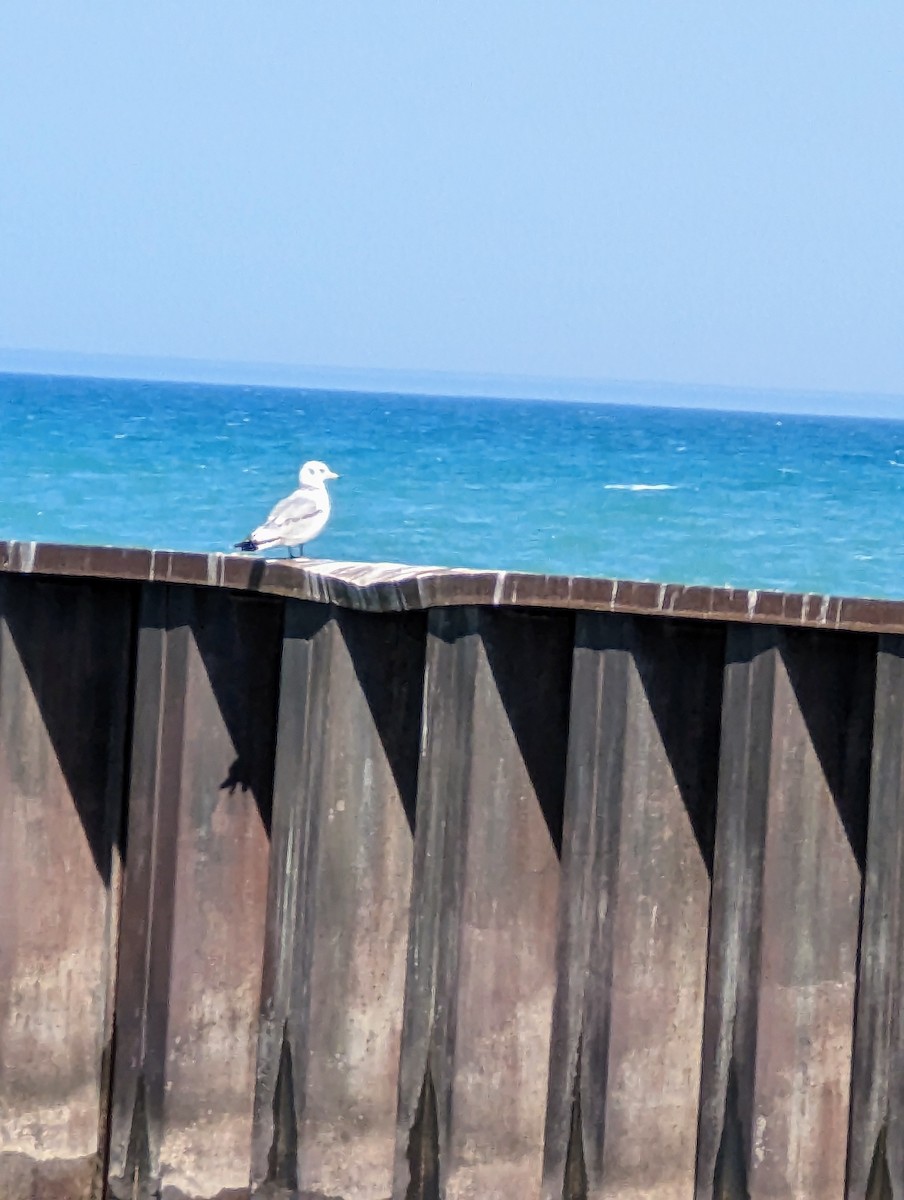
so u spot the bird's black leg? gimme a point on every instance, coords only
(289, 552)
(301, 551)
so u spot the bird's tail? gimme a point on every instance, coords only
(247, 544)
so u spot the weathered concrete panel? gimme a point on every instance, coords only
(790, 845)
(481, 951)
(64, 683)
(337, 930)
(195, 889)
(640, 802)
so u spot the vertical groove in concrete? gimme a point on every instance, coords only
(346, 765)
(482, 942)
(193, 902)
(790, 847)
(637, 851)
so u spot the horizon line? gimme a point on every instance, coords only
(466, 384)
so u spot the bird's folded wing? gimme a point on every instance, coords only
(300, 506)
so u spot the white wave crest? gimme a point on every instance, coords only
(640, 487)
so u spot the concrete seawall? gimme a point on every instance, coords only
(365, 881)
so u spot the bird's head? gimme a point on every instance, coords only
(315, 472)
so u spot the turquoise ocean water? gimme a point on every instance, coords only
(749, 500)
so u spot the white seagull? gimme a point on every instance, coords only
(299, 517)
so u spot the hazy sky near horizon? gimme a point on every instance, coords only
(694, 192)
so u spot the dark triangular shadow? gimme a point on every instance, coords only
(834, 680)
(74, 639)
(680, 664)
(138, 1181)
(387, 653)
(423, 1146)
(282, 1166)
(239, 639)
(530, 657)
(730, 1175)
(878, 1186)
(574, 1186)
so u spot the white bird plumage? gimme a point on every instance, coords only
(299, 517)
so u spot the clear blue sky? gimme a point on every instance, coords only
(694, 191)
